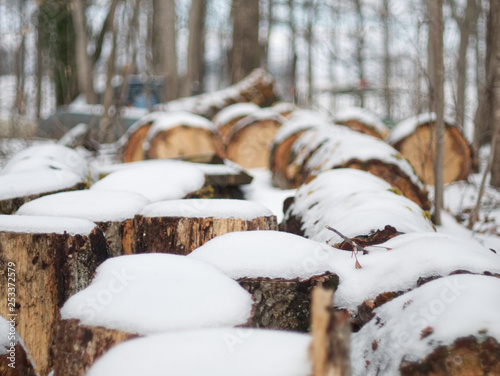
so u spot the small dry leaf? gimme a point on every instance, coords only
(374, 345)
(426, 332)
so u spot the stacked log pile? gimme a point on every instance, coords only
(227, 117)
(363, 121)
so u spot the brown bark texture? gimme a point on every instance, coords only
(119, 237)
(284, 304)
(76, 347)
(182, 235)
(22, 365)
(49, 269)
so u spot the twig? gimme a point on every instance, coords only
(356, 248)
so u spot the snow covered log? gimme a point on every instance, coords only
(38, 171)
(51, 259)
(180, 226)
(360, 205)
(112, 211)
(298, 122)
(448, 326)
(249, 143)
(331, 331)
(322, 149)
(14, 357)
(227, 117)
(257, 87)
(285, 109)
(223, 352)
(363, 121)
(140, 295)
(280, 270)
(414, 137)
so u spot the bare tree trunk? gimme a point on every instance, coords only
(386, 14)
(164, 46)
(270, 21)
(106, 124)
(436, 27)
(20, 103)
(495, 170)
(293, 73)
(193, 84)
(84, 68)
(246, 49)
(40, 35)
(465, 25)
(360, 46)
(310, 44)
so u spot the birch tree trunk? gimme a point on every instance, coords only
(386, 14)
(495, 169)
(360, 46)
(436, 27)
(193, 83)
(84, 68)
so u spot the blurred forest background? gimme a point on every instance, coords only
(323, 54)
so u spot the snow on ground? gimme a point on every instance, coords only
(354, 202)
(44, 225)
(94, 205)
(397, 265)
(152, 293)
(207, 208)
(28, 183)
(210, 352)
(163, 180)
(445, 309)
(266, 254)
(262, 191)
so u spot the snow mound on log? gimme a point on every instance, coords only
(446, 309)
(234, 111)
(210, 352)
(283, 107)
(48, 157)
(152, 293)
(363, 116)
(265, 254)
(95, 205)
(35, 182)
(178, 118)
(207, 208)
(166, 180)
(355, 203)
(299, 120)
(406, 127)
(397, 265)
(45, 225)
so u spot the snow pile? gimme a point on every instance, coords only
(165, 180)
(210, 352)
(397, 265)
(299, 120)
(265, 254)
(355, 203)
(341, 145)
(45, 225)
(152, 293)
(36, 182)
(406, 127)
(176, 119)
(262, 114)
(48, 157)
(94, 205)
(148, 118)
(364, 116)
(261, 190)
(207, 208)
(413, 325)
(237, 110)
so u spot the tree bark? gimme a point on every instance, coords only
(360, 47)
(182, 235)
(284, 304)
(193, 84)
(164, 46)
(436, 27)
(245, 54)
(386, 20)
(22, 363)
(331, 332)
(49, 268)
(84, 67)
(495, 145)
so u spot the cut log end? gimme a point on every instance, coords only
(360, 127)
(133, 150)
(280, 160)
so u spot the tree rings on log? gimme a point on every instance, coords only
(278, 269)
(52, 259)
(14, 357)
(250, 140)
(180, 226)
(363, 121)
(112, 211)
(230, 115)
(414, 139)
